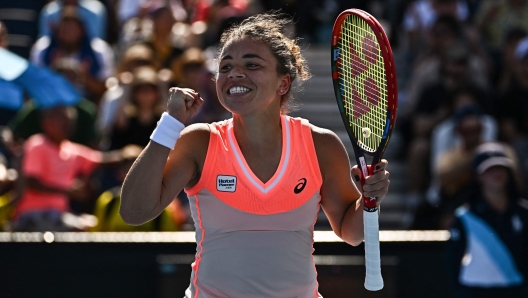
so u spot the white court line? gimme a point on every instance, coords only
(188, 237)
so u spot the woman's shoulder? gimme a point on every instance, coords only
(317, 131)
(328, 146)
(196, 130)
(324, 137)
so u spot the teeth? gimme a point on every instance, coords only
(238, 90)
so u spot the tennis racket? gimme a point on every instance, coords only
(364, 78)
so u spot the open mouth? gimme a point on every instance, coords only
(238, 90)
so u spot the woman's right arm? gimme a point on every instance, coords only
(159, 174)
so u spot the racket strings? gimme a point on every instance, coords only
(364, 105)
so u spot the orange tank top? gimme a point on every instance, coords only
(255, 239)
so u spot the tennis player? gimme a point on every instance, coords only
(255, 181)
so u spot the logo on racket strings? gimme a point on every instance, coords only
(358, 69)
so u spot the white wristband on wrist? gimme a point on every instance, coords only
(168, 131)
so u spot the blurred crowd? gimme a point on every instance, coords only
(462, 72)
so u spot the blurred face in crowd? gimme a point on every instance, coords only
(163, 21)
(70, 33)
(146, 96)
(195, 74)
(457, 70)
(470, 128)
(463, 100)
(58, 123)
(495, 178)
(442, 36)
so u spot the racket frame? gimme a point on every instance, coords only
(392, 95)
(373, 278)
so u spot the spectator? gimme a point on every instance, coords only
(69, 40)
(496, 18)
(433, 107)
(505, 73)
(453, 166)
(513, 108)
(190, 71)
(27, 120)
(12, 95)
(421, 15)
(107, 205)
(221, 15)
(56, 172)
(8, 175)
(139, 115)
(127, 9)
(166, 49)
(42, 85)
(8, 178)
(21, 17)
(446, 37)
(119, 86)
(450, 171)
(488, 249)
(445, 138)
(92, 14)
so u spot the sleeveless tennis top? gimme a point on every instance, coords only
(255, 239)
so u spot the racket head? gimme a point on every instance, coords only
(364, 79)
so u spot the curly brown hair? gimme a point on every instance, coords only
(270, 28)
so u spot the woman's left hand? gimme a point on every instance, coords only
(376, 185)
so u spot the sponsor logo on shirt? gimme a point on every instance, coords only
(226, 183)
(300, 186)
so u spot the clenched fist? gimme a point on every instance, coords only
(183, 103)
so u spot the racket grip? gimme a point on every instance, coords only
(373, 279)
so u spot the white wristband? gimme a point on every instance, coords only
(168, 131)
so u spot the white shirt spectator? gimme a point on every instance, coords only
(91, 12)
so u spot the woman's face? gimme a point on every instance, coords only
(247, 79)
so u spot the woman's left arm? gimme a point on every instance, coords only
(341, 198)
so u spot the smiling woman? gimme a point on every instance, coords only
(255, 182)
(269, 30)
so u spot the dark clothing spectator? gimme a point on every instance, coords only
(488, 251)
(21, 19)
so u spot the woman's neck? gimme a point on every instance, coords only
(260, 141)
(258, 133)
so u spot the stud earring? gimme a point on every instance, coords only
(281, 90)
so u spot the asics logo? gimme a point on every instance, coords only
(300, 186)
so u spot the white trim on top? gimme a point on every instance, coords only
(246, 170)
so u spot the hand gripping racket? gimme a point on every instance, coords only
(364, 78)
